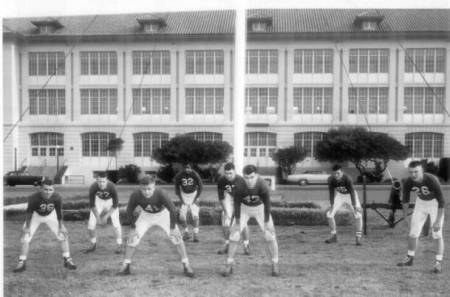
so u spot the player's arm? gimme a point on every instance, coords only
(265, 197)
(115, 199)
(436, 188)
(221, 193)
(94, 210)
(59, 216)
(331, 191)
(132, 203)
(351, 190)
(29, 213)
(178, 187)
(406, 198)
(199, 185)
(237, 206)
(171, 208)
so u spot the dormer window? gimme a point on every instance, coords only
(368, 21)
(259, 23)
(151, 23)
(47, 26)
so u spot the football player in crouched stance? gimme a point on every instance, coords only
(229, 185)
(104, 203)
(44, 206)
(157, 210)
(188, 187)
(255, 203)
(342, 192)
(430, 201)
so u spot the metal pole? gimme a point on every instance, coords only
(239, 89)
(57, 165)
(15, 159)
(365, 203)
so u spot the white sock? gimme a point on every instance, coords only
(275, 260)
(94, 240)
(196, 230)
(22, 258)
(230, 260)
(411, 253)
(119, 241)
(227, 241)
(127, 261)
(185, 261)
(246, 242)
(66, 255)
(333, 232)
(439, 258)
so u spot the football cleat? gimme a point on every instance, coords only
(196, 238)
(437, 268)
(124, 270)
(186, 236)
(247, 249)
(332, 239)
(21, 266)
(358, 241)
(223, 250)
(187, 270)
(68, 263)
(408, 261)
(228, 270)
(91, 248)
(119, 249)
(275, 269)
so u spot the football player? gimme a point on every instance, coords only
(188, 187)
(430, 201)
(227, 186)
(44, 206)
(157, 210)
(341, 191)
(255, 203)
(104, 203)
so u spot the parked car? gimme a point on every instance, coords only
(13, 178)
(309, 177)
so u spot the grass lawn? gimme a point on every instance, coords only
(309, 267)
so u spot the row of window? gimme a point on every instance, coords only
(257, 144)
(258, 101)
(259, 61)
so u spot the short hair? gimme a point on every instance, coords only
(249, 169)
(228, 166)
(413, 164)
(46, 181)
(147, 180)
(336, 167)
(101, 174)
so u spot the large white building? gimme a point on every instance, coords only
(73, 83)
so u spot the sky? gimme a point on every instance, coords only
(30, 8)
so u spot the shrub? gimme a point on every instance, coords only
(130, 173)
(166, 173)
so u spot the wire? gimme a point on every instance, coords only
(49, 78)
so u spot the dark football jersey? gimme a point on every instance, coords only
(156, 203)
(237, 185)
(343, 186)
(188, 183)
(427, 189)
(37, 203)
(109, 192)
(259, 194)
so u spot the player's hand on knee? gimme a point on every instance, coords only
(175, 236)
(358, 208)
(436, 226)
(26, 230)
(63, 232)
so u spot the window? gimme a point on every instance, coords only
(259, 26)
(308, 140)
(260, 144)
(95, 144)
(151, 101)
(147, 142)
(151, 62)
(313, 61)
(47, 101)
(261, 100)
(98, 101)
(262, 61)
(424, 100)
(47, 144)
(425, 60)
(204, 101)
(367, 100)
(204, 62)
(206, 136)
(46, 63)
(98, 63)
(369, 60)
(313, 100)
(425, 144)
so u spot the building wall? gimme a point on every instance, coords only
(284, 123)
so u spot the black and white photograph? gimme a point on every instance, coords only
(225, 148)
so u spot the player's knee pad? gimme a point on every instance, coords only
(133, 240)
(175, 237)
(62, 237)
(329, 215)
(235, 235)
(269, 235)
(26, 238)
(437, 235)
(358, 215)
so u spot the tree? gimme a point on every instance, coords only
(115, 145)
(360, 147)
(185, 149)
(287, 158)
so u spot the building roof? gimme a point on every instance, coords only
(290, 21)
